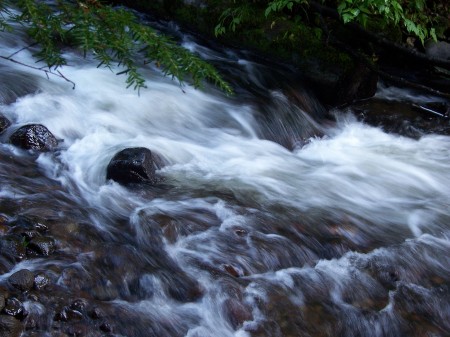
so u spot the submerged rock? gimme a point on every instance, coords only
(236, 312)
(133, 165)
(4, 123)
(34, 137)
(10, 327)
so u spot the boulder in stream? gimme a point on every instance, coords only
(132, 165)
(22, 279)
(34, 137)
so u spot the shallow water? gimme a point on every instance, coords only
(272, 217)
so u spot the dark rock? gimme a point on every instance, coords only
(409, 120)
(30, 234)
(439, 49)
(31, 296)
(421, 306)
(34, 137)
(74, 278)
(67, 314)
(5, 265)
(31, 322)
(10, 327)
(77, 330)
(41, 246)
(358, 83)
(340, 86)
(2, 301)
(27, 227)
(132, 165)
(96, 313)
(4, 123)
(236, 313)
(105, 327)
(78, 305)
(232, 270)
(12, 247)
(185, 289)
(22, 280)
(40, 227)
(41, 280)
(14, 307)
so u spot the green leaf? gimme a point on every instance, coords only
(433, 34)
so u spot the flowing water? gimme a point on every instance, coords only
(271, 218)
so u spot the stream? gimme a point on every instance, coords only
(273, 216)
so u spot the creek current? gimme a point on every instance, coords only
(273, 216)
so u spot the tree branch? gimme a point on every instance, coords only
(47, 72)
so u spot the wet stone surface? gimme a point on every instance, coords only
(34, 137)
(410, 120)
(22, 279)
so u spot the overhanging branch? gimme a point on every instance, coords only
(47, 72)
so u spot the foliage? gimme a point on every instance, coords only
(414, 15)
(113, 35)
(410, 14)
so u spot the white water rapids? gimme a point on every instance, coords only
(281, 242)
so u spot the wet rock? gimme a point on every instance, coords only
(96, 313)
(67, 314)
(4, 123)
(41, 246)
(105, 327)
(181, 286)
(74, 278)
(27, 227)
(12, 247)
(5, 265)
(31, 296)
(359, 83)
(78, 305)
(439, 49)
(34, 137)
(30, 234)
(236, 312)
(77, 330)
(41, 280)
(232, 270)
(13, 307)
(422, 306)
(2, 301)
(22, 280)
(10, 327)
(409, 120)
(3, 229)
(31, 322)
(385, 273)
(132, 165)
